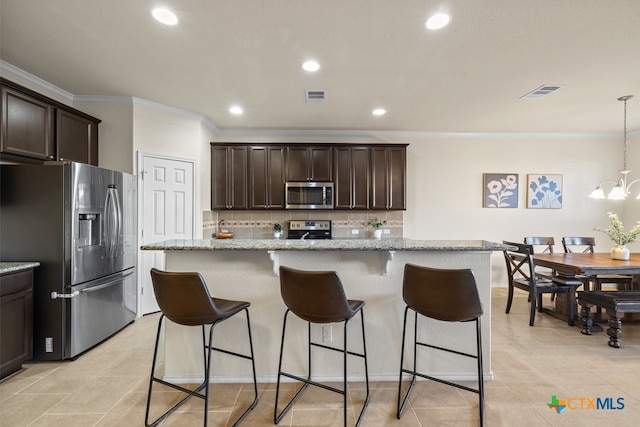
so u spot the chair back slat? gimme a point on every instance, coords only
(546, 242)
(580, 244)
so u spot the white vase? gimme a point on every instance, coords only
(377, 234)
(620, 252)
(277, 234)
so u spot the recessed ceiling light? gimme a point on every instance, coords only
(311, 66)
(165, 16)
(437, 21)
(236, 110)
(379, 112)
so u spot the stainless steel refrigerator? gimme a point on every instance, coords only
(79, 222)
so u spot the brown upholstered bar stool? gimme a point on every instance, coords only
(184, 299)
(448, 296)
(318, 297)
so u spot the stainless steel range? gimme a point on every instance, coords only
(309, 229)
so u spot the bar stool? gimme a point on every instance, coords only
(318, 297)
(445, 295)
(184, 299)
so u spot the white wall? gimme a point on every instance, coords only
(180, 137)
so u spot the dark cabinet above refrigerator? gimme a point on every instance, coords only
(36, 128)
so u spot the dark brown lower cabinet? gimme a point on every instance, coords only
(16, 320)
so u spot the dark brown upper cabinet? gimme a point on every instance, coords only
(388, 176)
(27, 125)
(229, 177)
(252, 176)
(36, 128)
(351, 177)
(77, 138)
(309, 163)
(266, 177)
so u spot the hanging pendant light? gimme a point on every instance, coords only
(621, 188)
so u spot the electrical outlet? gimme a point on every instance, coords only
(386, 231)
(327, 335)
(355, 232)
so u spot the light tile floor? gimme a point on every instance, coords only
(107, 386)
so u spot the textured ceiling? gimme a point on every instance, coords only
(467, 77)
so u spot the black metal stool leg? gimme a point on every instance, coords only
(153, 368)
(344, 372)
(190, 393)
(402, 401)
(366, 368)
(278, 417)
(480, 371)
(253, 369)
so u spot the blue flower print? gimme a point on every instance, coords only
(544, 193)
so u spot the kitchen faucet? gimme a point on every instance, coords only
(304, 235)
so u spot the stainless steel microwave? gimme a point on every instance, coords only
(309, 195)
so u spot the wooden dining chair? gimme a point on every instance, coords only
(542, 245)
(521, 273)
(586, 245)
(545, 245)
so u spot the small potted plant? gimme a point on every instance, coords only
(277, 230)
(616, 233)
(375, 223)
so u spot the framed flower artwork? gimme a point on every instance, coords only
(500, 190)
(544, 191)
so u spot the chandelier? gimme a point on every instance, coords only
(621, 188)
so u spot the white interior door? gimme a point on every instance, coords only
(167, 212)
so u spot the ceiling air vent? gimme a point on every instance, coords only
(315, 95)
(541, 91)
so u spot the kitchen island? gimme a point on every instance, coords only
(371, 270)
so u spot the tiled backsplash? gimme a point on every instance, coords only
(258, 224)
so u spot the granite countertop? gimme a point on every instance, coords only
(325, 245)
(11, 267)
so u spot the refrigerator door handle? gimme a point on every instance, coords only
(105, 282)
(55, 295)
(104, 285)
(113, 220)
(107, 222)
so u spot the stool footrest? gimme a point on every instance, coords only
(310, 382)
(448, 350)
(439, 380)
(190, 394)
(351, 353)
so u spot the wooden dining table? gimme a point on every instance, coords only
(575, 264)
(570, 265)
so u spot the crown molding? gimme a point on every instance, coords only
(20, 76)
(418, 135)
(150, 105)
